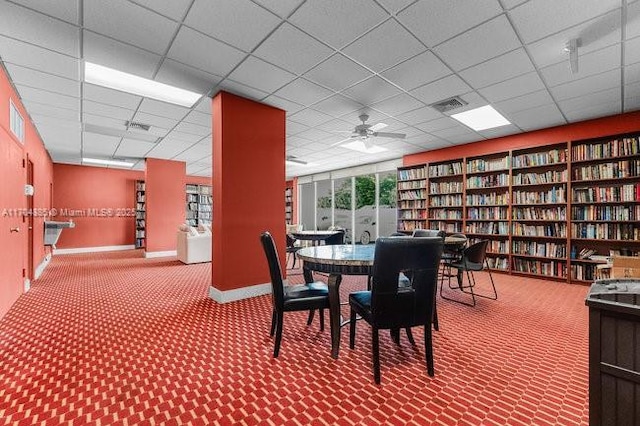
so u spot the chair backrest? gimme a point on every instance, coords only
(335, 239)
(428, 233)
(403, 307)
(398, 234)
(290, 240)
(475, 253)
(271, 253)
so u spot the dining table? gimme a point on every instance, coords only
(339, 260)
(316, 237)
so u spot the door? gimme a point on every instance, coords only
(12, 232)
(29, 219)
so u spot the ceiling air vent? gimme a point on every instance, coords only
(138, 126)
(449, 104)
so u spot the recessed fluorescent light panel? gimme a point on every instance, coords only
(360, 146)
(125, 82)
(103, 162)
(481, 118)
(295, 161)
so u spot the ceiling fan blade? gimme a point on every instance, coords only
(390, 135)
(368, 143)
(342, 141)
(377, 127)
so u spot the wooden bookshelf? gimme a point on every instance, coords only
(198, 205)
(141, 215)
(412, 198)
(446, 196)
(288, 205)
(604, 202)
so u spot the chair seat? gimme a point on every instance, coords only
(362, 298)
(471, 266)
(306, 296)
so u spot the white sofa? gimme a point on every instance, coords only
(194, 245)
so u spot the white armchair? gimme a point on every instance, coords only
(194, 246)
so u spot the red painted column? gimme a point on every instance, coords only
(248, 188)
(165, 182)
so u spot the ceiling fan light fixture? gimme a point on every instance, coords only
(361, 146)
(482, 118)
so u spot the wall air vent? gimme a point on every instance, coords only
(137, 126)
(449, 104)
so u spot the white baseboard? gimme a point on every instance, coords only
(239, 293)
(27, 285)
(152, 254)
(93, 249)
(41, 267)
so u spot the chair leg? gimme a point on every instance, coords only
(273, 323)
(352, 329)
(375, 353)
(294, 260)
(310, 319)
(321, 319)
(436, 325)
(428, 349)
(279, 322)
(395, 335)
(410, 336)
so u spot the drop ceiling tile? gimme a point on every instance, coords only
(240, 23)
(338, 23)
(538, 118)
(261, 75)
(314, 135)
(336, 125)
(310, 117)
(495, 70)
(588, 64)
(189, 45)
(520, 103)
(163, 109)
(632, 73)
(441, 89)
(337, 105)
(110, 97)
(536, 19)
(417, 71)
(293, 128)
(44, 81)
(394, 6)
(292, 49)
(194, 129)
(282, 8)
(498, 132)
(199, 118)
(67, 10)
(204, 106)
(155, 121)
(49, 98)
(133, 148)
(34, 28)
(297, 142)
(595, 83)
(458, 135)
(632, 51)
(105, 110)
(576, 109)
(479, 44)
(100, 120)
(303, 92)
(59, 136)
(337, 73)
(186, 77)
(510, 4)
(378, 49)
(194, 153)
(398, 105)
(168, 149)
(419, 115)
(101, 145)
(283, 104)
(594, 35)
(174, 9)
(374, 117)
(632, 97)
(122, 57)
(595, 111)
(526, 83)
(129, 23)
(71, 125)
(242, 90)
(632, 28)
(435, 22)
(185, 137)
(438, 125)
(27, 55)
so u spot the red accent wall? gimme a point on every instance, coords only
(623, 123)
(81, 188)
(12, 180)
(248, 190)
(165, 202)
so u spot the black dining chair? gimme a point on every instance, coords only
(303, 297)
(335, 239)
(388, 306)
(428, 233)
(292, 249)
(472, 259)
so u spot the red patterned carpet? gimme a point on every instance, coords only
(117, 339)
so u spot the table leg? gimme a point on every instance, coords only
(308, 275)
(334, 312)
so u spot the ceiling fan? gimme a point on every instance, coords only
(365, 132)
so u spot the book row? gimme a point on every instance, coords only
(487, 213)
(606, 213)
(557, 230)
(539, 267)
(606, 231)
(550, 176)
(448, 169)
(488, 165)
(540, 213)
(552, 156)
(610, 149)
(613, 170)
(603, 194)
(542, 249)
(488, 181)
(554, 195)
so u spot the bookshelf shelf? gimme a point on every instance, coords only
(199, 205)
(141, 215)
(540, 166)
(526, 256)
(288, 205)
(412, 198)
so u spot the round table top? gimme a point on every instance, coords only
(343, 254)
(312, 235)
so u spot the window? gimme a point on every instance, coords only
(365, 212)
(16, 123)
(323, 204)
(387, 203)
(307, 198)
